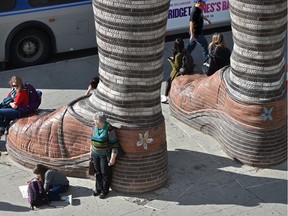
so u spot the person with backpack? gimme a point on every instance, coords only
(54, 183)
(218, 57)
(16, 105)
(103, 139)
(182, 63)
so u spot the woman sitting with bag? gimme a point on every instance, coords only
(178, 66)
(218, 57)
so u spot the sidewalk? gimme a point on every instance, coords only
(202, 179)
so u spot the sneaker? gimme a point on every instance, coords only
(96, 193)
(164, 99)
(5, 153)
(69, 200)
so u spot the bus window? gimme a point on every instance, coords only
(7, 5)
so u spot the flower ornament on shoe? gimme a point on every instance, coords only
(144, 140)
(267, 114)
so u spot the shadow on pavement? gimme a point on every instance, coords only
(197, 178)
(4, 206)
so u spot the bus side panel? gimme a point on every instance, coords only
(74, 32)
(74, 28)
(217, 11)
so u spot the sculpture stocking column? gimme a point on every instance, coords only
(257, 77)
(130, 39)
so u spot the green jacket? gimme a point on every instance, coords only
(176, 65)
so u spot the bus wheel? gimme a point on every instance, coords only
(30, 47)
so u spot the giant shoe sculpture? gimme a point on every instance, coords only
(244, 106)
(130, 38)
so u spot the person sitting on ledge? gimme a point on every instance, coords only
(220, 53)
(176, 63)
(15, 105)
(93, 85)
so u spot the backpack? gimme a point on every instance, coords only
(36, 194)
(187, 64)
(9, 99)
(34, 97)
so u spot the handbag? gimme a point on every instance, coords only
(9, 99)
(187, 64)
(91, 170)
(209, 66)
(6, 102)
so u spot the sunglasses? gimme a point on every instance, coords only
(14, 85)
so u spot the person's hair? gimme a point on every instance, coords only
(178, 46)
(40, 170)
(94, 82)
(200, 1)
(100, 117)
(217, 40)
(17, 80)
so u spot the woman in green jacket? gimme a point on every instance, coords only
(176, 63)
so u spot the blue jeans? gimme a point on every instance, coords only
(56, 190)
(6, 115)
(201, 40)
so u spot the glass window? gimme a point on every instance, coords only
(43, 3)
(7, 5)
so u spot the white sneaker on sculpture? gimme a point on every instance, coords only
(164, 99)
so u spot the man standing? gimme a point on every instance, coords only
(196, 27)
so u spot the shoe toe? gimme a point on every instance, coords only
(102, 196)
(96, 193)
(163, 99)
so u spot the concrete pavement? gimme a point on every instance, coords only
(202, 179)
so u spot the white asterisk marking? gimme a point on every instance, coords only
(267, 114)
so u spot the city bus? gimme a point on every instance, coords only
(33, 30)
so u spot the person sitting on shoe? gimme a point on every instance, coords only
(176, 63)
(54, 182)
(219, 51)
(93, 85)
(103, 139)
(15, 105)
